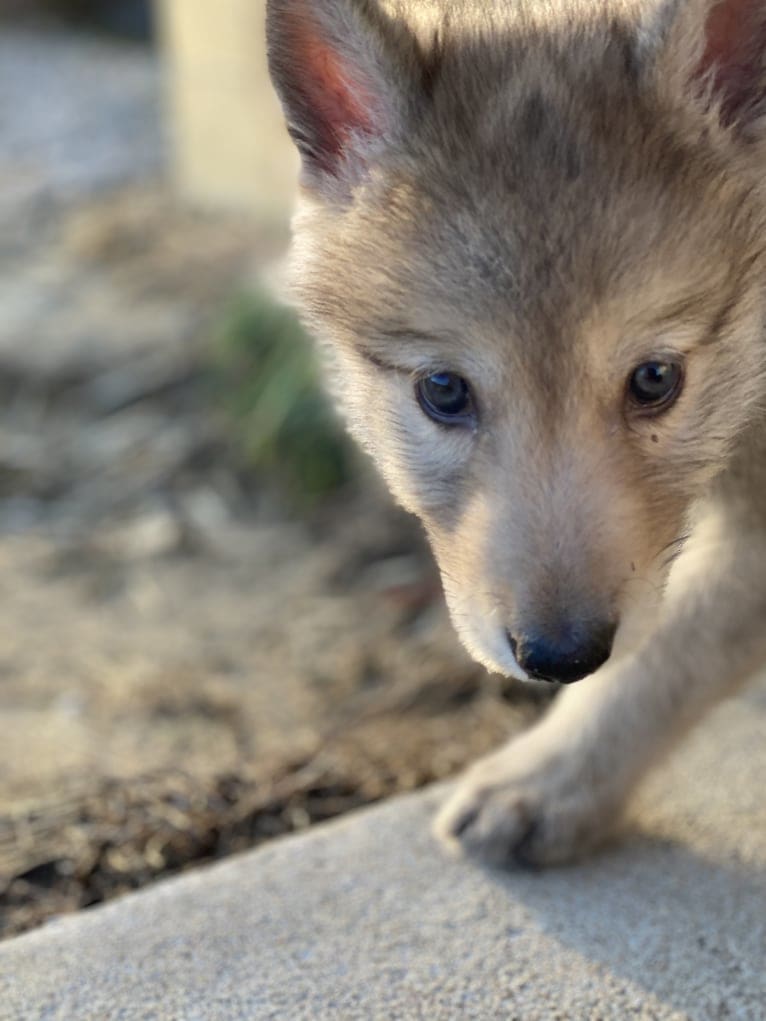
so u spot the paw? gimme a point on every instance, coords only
(531, 805)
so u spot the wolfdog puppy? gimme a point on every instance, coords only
(532, 234)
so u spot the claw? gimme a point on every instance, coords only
(464, 821)
(521, 854)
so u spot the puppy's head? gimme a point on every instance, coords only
(532, 237)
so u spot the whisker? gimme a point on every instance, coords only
(679, 541)
(673, 549)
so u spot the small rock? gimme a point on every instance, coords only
(155, 533)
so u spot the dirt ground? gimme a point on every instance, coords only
(185, 668)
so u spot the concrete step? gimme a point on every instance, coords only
(365, 918)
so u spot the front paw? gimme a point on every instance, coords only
(532, 805)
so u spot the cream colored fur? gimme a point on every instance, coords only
(539, 196)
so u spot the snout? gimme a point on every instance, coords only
(566, 654)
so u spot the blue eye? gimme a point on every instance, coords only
(445, 397)
(655, 385)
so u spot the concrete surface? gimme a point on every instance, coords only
(365, 919)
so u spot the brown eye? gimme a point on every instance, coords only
(655, 385)
(445, 397)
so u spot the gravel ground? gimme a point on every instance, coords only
(366, 918)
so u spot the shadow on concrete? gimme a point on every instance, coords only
(643, 910)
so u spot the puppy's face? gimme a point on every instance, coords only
(538, 268)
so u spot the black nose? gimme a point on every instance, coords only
(567, 655)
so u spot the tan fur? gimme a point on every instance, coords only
(542, 196)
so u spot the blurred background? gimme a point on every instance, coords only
(216, 628)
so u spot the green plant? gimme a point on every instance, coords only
(271, 390)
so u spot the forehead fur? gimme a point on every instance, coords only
(549, 167)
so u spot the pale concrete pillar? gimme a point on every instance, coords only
(229, 142)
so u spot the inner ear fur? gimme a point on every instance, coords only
(713, 51)
(347, 76)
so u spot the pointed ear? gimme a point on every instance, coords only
(735, 46)
(717, 49)
(346, 76)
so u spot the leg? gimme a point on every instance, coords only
(556, 791)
